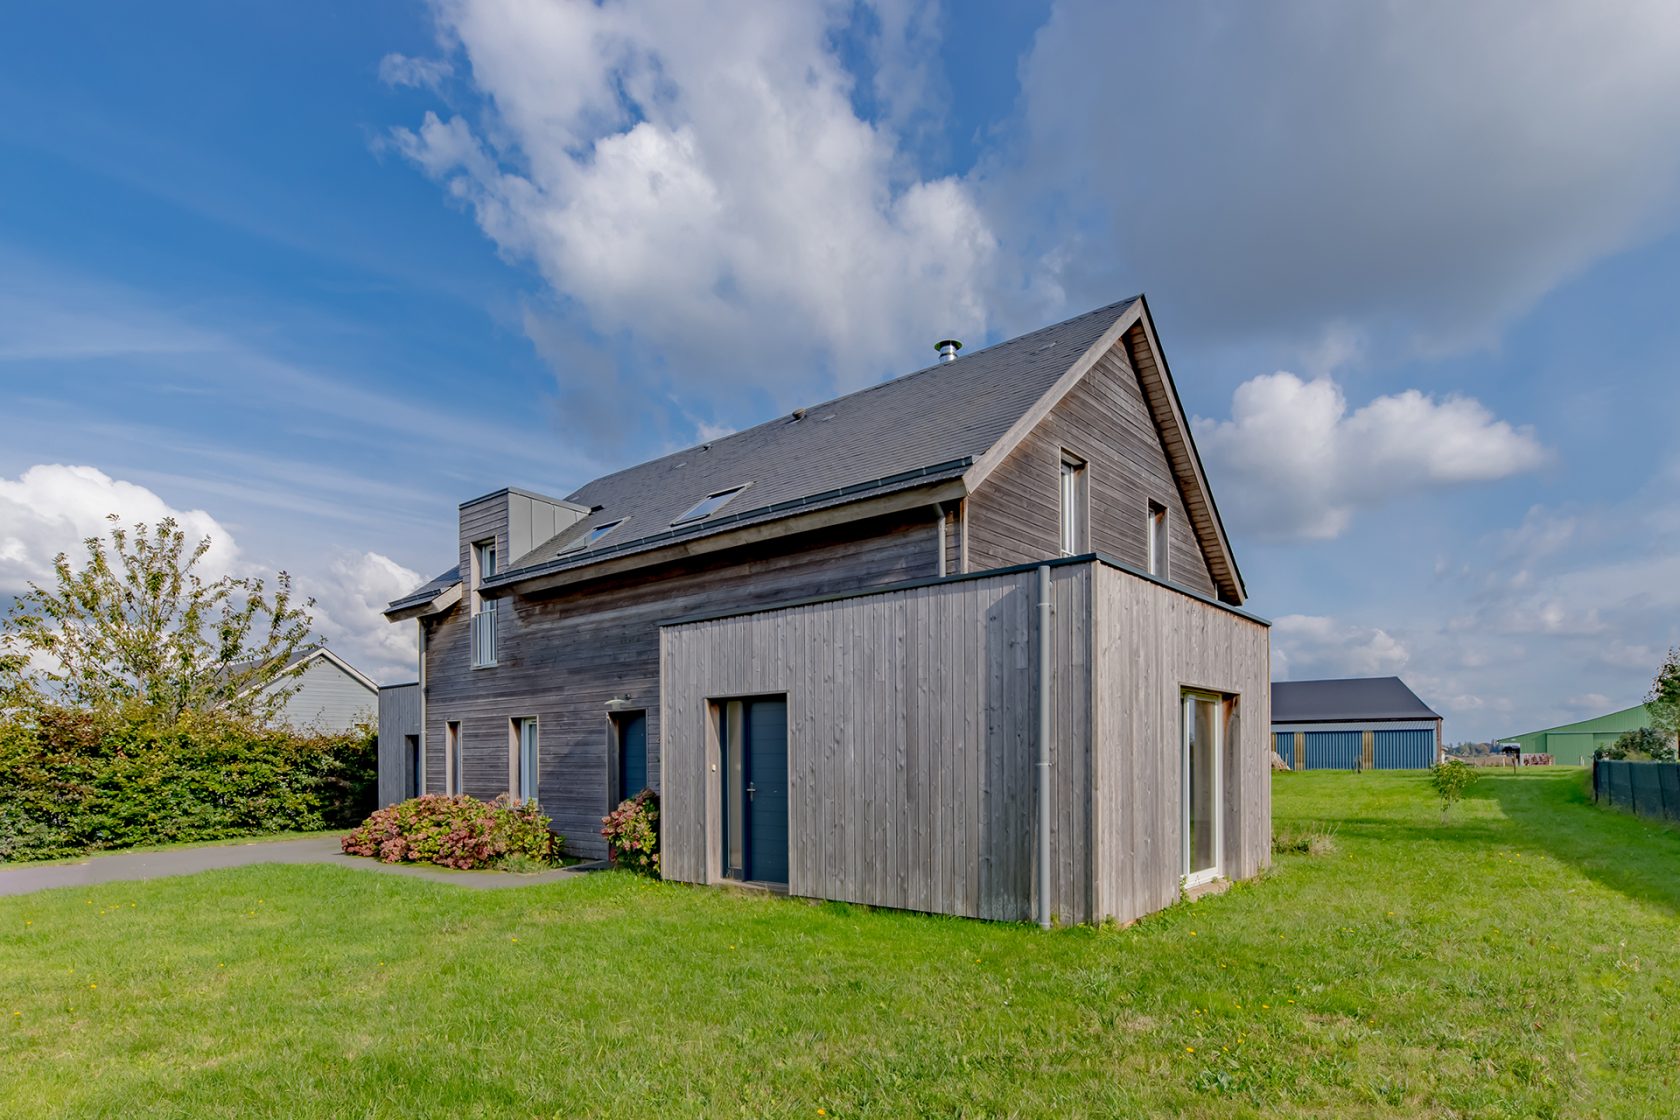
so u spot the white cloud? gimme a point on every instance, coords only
(349, 597)
(418, 73)
(1431, 168)
(1294, 462)
(53, 508)
(1312, 647)
(696, 179)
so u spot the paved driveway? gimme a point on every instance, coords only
(188, 861)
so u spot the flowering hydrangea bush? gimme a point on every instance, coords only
(461, 832)
(632, 833)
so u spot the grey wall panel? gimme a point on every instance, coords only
(911, 720)
(399, 717)
(1152, 643)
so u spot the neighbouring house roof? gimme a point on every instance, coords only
(950, 421)
(1349, 700)
(322, 653)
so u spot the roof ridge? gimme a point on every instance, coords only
(934, 367)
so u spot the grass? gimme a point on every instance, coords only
(1519, 962)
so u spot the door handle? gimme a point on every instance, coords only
(750, 791)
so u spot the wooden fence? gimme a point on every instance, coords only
(1648, 789)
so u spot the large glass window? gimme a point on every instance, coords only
(1203, 761)
(483, 621)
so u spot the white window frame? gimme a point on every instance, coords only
(1160, 548)
(524, 758)
(1188, 699)
(483, 636)
(1075, 501)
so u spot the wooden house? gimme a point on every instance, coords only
(970, 641)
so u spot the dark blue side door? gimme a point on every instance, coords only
(632, 755)
(767, 790)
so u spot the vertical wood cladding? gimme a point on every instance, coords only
(912, 717)
(1015, 515)
(562, 656)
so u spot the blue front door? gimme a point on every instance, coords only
(767, 793)
(753, 734)
(632, 755)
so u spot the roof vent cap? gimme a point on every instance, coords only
(948, 349)
(798, 415)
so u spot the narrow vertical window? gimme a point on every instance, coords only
(1157, 540)
(483, 623)
(522, 760)
(416, 766)
(452, 758)
(1075, 537)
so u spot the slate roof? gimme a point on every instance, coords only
(427, 591)
(906, 432)
(1346, 701)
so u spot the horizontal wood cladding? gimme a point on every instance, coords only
(1151, 644)
(1015, 514)
(562, 656)
(911, 723)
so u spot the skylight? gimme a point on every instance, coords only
(591, 537)
(708, 505)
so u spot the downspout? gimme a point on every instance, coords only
(1044, 746)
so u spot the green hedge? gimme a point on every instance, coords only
(71, 786)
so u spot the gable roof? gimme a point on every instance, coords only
(305, 654)
(948, 423)
(1356, 698)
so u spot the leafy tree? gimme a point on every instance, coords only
(1663, 701)
(1450, 779)
(137, 631)
(1644, 742)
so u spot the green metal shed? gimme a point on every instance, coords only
(1572, 744)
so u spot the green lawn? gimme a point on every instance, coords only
(1523, 961)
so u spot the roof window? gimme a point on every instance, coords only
(589, 538)
(708, 505)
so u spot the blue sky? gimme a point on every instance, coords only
(314, 274)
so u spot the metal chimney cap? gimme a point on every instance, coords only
(948, 348)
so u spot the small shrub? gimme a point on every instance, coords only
(460, 832)
(1309, 840)
(632, 833)
(1450, 779)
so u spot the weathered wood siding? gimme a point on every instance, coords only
(562, 656)
(399, 717)
(1014, 517)
(1151, 644)
(911, 722)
